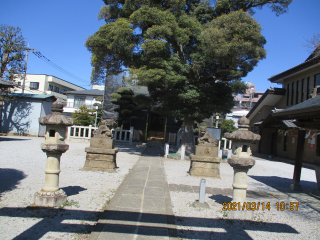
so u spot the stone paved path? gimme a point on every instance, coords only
(141, 207)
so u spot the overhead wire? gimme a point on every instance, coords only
(57, 67)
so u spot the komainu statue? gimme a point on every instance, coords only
(206, 139)
(104, 131)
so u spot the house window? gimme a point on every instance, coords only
(34, 85)
(302, 89)
(308, 87)
(288, 94)
(317, 80)
(79, 101)
(292, 93)
(50, 88)
(55, 89)
(62, 90)
(297, 92)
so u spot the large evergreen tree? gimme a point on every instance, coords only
(184, 51)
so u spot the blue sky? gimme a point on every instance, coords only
(58, 29)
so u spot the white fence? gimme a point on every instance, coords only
(84, 134)
(80, 133)
(121, 135)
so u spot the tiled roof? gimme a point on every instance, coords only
(310, 103)
(6, 83)
(93, 92)
(27, 95)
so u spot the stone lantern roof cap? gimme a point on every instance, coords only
(56, 117)
(243, 133)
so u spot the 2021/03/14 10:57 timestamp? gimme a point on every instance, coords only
(252, 206)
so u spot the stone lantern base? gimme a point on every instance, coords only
(100, 159)
(49, 199)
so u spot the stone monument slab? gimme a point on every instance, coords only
(102, 143)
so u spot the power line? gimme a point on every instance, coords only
(52, 64)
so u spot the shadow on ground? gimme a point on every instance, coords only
(282, 184)
(10, 179)
(53, 221)
(73, 190)
(221, 199)
(7, 139)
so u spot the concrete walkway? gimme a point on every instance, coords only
(141, 207)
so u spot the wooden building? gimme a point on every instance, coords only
(288, 118)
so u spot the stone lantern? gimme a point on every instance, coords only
(56, 123)
(241, 162)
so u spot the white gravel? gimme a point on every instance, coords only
(265, 177)
(22, 165)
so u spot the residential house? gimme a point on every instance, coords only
(289, 118)
(236, 114)
(45, 84)
(77, 99)
(20, 115)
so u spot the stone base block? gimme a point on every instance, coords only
(205, 172)
(202, 166)
(49, 199)
(100, 162)
(198, 204)
(244, 215)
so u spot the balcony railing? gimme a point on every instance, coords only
(78, 105)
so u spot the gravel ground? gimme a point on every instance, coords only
(266, 181)
(22, 165)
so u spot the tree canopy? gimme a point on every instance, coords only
(12, 47)
(184, 51)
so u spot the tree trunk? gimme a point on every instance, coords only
(187, 135)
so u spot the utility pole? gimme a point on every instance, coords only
(25, 66)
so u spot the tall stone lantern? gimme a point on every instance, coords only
(56, 123)
(241, 162)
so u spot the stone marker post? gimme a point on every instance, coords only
(241, 162)
(54, 146)
(202, 194)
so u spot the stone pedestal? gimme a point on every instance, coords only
(100, 159)
(205, 163)
(240, 167)
(101, 155)
(50, 199)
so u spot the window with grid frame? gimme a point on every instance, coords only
(34, 85)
